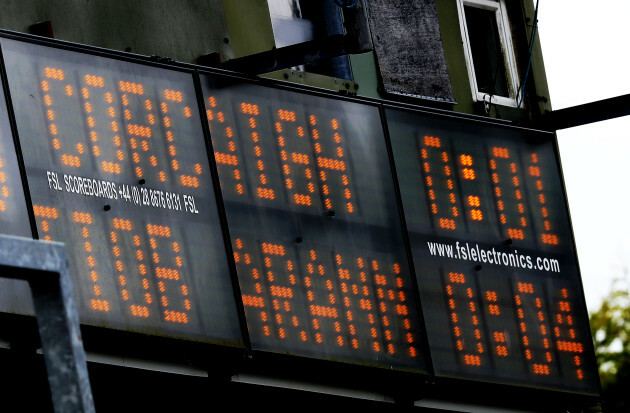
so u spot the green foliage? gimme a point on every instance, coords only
(610, 326)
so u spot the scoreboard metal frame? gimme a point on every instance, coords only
(426, 365)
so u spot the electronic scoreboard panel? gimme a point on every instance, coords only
(315, 228)
(493, 252)
(207, 207)
(13, 211)
(116, 164)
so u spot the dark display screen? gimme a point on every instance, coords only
(493, 252)
(13, 211)
(117, 169)
(314, 224)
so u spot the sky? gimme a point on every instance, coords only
(587, 59)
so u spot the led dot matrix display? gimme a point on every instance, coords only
(320, 260)
(118, 167)
(494, 256)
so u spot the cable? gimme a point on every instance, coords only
(531, 52)
(346, 3)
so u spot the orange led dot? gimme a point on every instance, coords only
(534, 171)
(100, 305)
(466, 160)
(80, 148)
(498, 152)
(432, 141)
(468, 173)
(46, 212)
(515, 181)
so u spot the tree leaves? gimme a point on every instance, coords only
(610, 327)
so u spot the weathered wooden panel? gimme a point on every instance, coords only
(408, 47)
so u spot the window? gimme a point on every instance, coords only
(489, 52)
(297, 21)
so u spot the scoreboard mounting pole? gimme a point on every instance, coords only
(45, 267)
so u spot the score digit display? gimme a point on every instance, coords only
(493, 252)
(117, 167)
(315, 229)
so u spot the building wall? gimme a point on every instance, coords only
(521, 19)
(181, 30)
(186, 30)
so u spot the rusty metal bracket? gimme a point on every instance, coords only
(44, 265)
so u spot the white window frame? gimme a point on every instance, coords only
(503, 25)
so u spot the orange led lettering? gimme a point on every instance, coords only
(56, 90)
(98, 303)
(333, 172)
(546, 237)
(297, 164)
(185, 173)
(464, 317)
(538, 355)
(564, 335)
(440, 186)
(137, 298)
(512, 212)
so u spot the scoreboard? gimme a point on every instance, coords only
(206, 207)
(315, 229)
(492, 246)
(116, 167)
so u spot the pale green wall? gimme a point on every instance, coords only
(186, 29)
(454, 53)
(180, 29)
(249, 26)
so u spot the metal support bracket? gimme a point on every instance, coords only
(44, 265)
(294, 55)
(600, 110)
